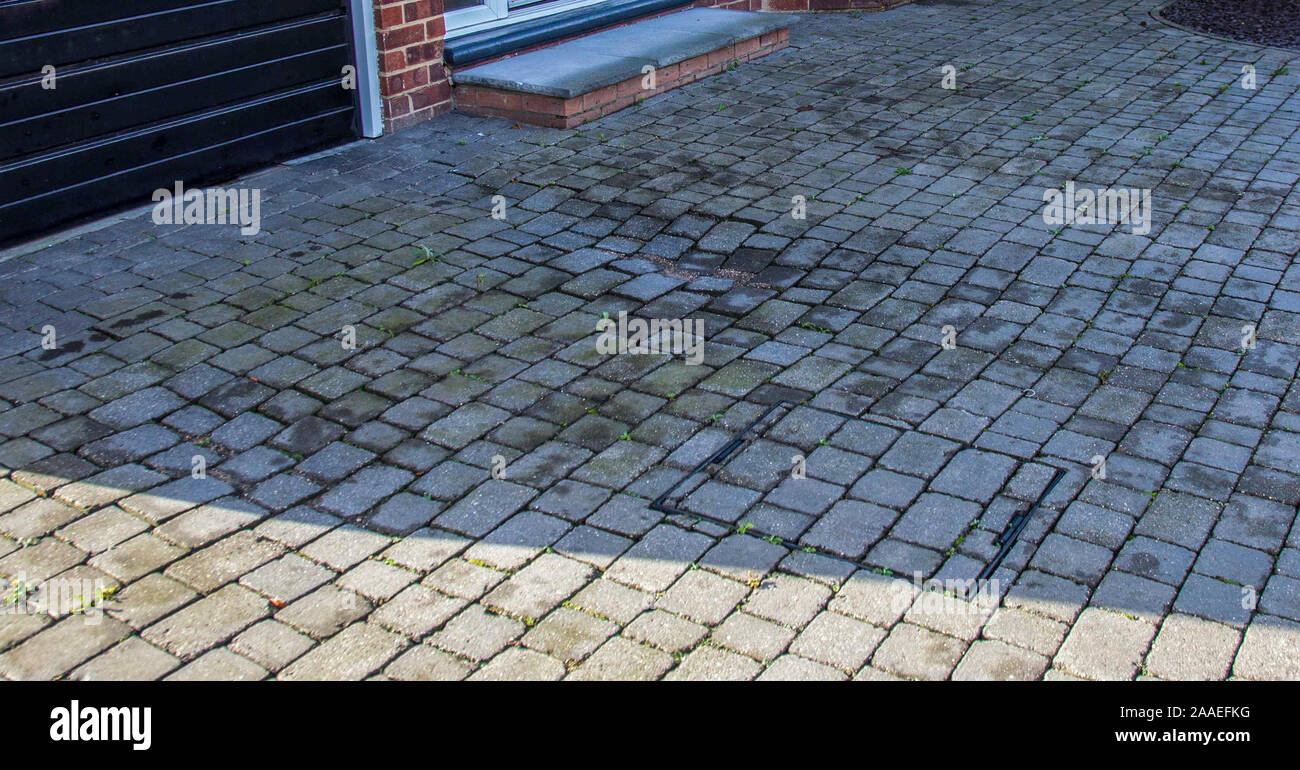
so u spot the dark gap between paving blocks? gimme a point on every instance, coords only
(849, 506)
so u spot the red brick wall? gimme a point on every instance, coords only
(412, 79)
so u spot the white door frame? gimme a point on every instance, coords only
(361, 18)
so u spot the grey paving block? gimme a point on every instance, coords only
(1105, 645)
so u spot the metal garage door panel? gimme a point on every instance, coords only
(153, 91)
(67, 166)
(37, 32)
(98, 100)
(249, 150)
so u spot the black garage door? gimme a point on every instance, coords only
(148, 92)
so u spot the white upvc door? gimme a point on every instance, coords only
(361, 17)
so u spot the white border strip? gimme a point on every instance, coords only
(361, 14)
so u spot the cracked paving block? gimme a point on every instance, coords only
(916, 653)
(487, 506)
(1189, 648)
(324, 612)
(60, 647)
(1105, 645)
(208, 622)
(357, 651)
(364, 489)
(477, 634)
(623, 659)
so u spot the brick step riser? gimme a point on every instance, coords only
(557, 112)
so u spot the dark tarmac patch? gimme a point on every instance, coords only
(1266, 22)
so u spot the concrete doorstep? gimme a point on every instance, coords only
(677, 48)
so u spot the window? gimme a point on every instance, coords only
(466, 16)
(460, 14)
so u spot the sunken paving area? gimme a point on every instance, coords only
(467, 492)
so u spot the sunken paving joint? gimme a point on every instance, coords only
(812, 478)
(577, 81)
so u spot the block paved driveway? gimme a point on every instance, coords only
(348, 524)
